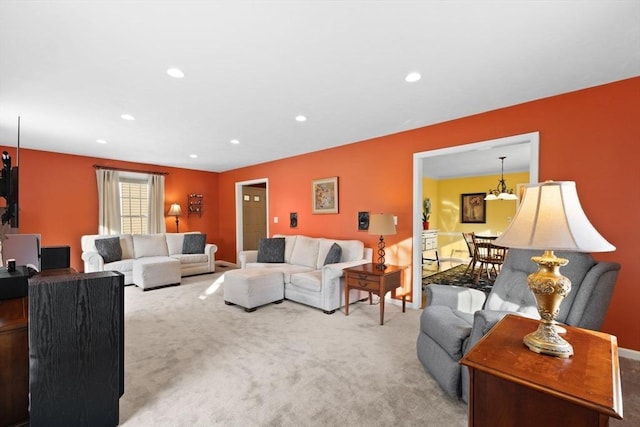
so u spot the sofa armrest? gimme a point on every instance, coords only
(456, 297)
(93, 262)
(210, 249)
(247, 256)
(332, 271)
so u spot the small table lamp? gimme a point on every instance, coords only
(380, 225)
(175, 210)
(551, 218)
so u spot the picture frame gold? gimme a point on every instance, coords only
(324, 195)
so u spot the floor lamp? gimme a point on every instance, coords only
(175, 210)
(551, 218)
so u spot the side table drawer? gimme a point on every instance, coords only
(363, 281)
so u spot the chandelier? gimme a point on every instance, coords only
(501, 192)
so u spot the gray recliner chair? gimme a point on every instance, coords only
(455, 317)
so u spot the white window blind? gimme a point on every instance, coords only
(134, 206)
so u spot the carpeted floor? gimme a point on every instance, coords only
(456, 276)
(191, 360)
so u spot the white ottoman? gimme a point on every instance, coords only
(155, 272)
(253, 287)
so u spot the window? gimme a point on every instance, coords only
(134, 205)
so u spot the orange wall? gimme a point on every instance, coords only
(589, 136)
(58, 197)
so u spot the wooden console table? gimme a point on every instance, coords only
(511, 385)
(14, 347)
(368, 278)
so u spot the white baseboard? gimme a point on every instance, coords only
(629, 354)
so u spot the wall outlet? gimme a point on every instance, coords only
(275, 219)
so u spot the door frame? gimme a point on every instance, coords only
(239, 219)
(533, 138)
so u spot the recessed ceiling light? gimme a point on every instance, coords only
(234, 141)
(127, 117)
(413, 77)
(193, 156)
(301, 118)
(101, 141)
(175, 73)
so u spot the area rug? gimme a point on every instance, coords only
(456, 276)
(191, 360)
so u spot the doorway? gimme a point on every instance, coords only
(450, 156)
(252, 207)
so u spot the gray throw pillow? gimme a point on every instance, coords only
(334, 254)
(271, 250)
(109, 249)
(194, 243)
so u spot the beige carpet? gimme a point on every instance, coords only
(191, 360)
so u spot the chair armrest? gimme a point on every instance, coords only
(456, 297)
(483, 321)
(247, 256)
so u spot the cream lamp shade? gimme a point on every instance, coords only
(175, 210)
(551, 218)
(381, 224)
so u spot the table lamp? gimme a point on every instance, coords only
(551, 218)
(381, 224)
(175, 210)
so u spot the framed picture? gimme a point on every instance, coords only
(324, 195)
(473, 208)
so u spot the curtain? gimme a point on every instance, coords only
(108, 201)
(156, 223)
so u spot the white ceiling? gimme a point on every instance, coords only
(70, 69)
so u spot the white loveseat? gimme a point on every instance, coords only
(161, 247)
(306, 279)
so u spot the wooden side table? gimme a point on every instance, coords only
(367, 278)
(511, 385)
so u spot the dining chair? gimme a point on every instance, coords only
(490, 257)
(469, 239)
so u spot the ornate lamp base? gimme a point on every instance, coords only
(380, 265)
(547, 341)
(549, 287)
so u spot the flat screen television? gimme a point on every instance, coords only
(9, 191)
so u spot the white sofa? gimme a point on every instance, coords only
(305, 277)
(146, 246)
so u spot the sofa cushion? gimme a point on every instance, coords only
(174, 243)
(109, 249)
(334, 254)
(271, 250)
(305, 252)
(352, 250)
(191, 258)
(123, 266)
(146, 245)
(194, 243)
(310, 281)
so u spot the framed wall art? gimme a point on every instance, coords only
(324, 195)
(473, 208)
